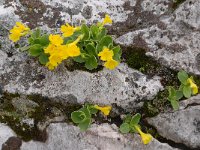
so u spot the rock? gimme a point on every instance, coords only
(181, 126)
(106, 137)
(13, 143)
(174, 39)
(5, 133)
(123, 86)
(20, 74)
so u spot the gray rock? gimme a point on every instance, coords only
(120, 86)
(174, 41)
(20, 74)
(5, 133)
(182, 126)
(105, 137)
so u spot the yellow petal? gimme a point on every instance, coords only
(111, 64)
(107, 20)
(146, 138)
(68, 30)
(55, 39)
(15, 36)
(73, 50)
(105, 110)
(106, 54)
(193, 86)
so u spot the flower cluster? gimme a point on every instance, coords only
(59, 52)
(107, 56)
(18, 31)
(83, 44)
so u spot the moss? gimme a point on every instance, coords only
(72, 65)
(13, 118)
(136, 59)
(176, 3)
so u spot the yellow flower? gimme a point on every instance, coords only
(18, 31)
(107, 20)
(73, 50)
(105, 110)
(106, 54)
(15, 36)
(111, 64)
(55, 39)
(192, 85)
(50, 49)
(146, 138)
(68, 30)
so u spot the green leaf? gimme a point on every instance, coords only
(102, 34)
(35, 50)
(91, 63)
(175, 105)
(124, 128)
(44, 40)
(179, 95)
(78, 116)
(43, 59)
(135, 119)
(187, 91)
(105, 41)
(25, 48)
(79, 59)
(94, 31)
(93, 110)
(128, 118)
(117, 53)
(91, 49)
(30, 40)
(85, 124)
(86, 111)
(172, 93)
(36, 33)
(183, 76)
(86, 31)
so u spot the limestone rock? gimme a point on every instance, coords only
(104, 137)
(175, 40)
(181, 126)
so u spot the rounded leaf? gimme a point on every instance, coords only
(78, 116)
(187, 91)
(183, 76)
(135, 119)
(85, 124)
(124, 128)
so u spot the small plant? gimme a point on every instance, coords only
(174, 97)
(188, 86)
(83, 117)
(186, 89)
(131, 125)
(84, 44)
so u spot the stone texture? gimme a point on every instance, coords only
(123, 86)
(5, 133)
(182, 126)
(175, 43)
(104, 137)
(21, 74)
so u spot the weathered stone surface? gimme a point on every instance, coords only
(5, 133)
(123, 86)
(176, 43)
(20, 74)
(182, 126)
(104, 137)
